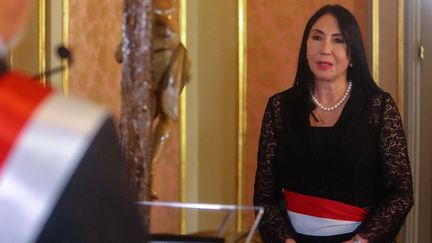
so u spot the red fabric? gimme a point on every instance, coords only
(19, 98)
(323, 208)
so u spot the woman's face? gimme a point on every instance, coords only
(327, 51)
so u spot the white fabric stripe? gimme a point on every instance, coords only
(39, 166)
(311, 225)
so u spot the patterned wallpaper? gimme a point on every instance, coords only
(94, 33)
(275, 29)
(166, 180)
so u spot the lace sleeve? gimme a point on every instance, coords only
(385, 219)
(268, 193)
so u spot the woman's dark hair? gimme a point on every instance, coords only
(359, 73)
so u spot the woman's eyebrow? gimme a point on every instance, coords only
(322, 32)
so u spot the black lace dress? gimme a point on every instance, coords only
(361, 161)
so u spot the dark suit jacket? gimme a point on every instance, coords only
(97, 205)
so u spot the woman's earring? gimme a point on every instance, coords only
(351, 65)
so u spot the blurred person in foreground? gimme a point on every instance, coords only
(332, 147)
(61, 175)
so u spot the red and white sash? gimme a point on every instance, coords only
(317, 216)
(43, 136)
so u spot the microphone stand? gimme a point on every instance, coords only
(64, 54)
(49, 72)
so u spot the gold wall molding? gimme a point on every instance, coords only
(65, 40)
(183, 96)
(375, 40)
(242, 106)
(36, 52)
(401, 63)
(42, 38)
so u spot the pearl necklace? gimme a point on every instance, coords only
(339, 103)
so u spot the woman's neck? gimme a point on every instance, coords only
(329, 92)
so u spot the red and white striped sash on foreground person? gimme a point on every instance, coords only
(61, 177)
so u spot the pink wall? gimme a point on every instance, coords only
(94, 32)
(275, 29)
(166, 180)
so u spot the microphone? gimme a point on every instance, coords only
(64, 54)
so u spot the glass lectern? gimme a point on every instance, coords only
(201, 222)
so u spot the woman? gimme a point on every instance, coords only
(332, 149)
